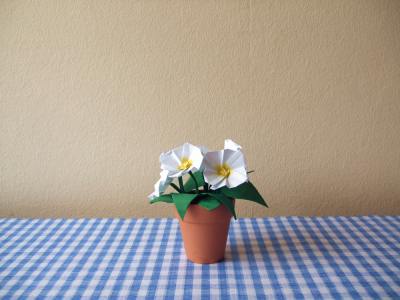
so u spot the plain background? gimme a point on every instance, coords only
(93, 91)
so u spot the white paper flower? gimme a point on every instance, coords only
(229, 144)
(181, 160)
(161, 185)
(224, 168)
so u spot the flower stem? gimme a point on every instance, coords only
(181, 184)
(175, 187)
(195, 181)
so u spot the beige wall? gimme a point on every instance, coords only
(92, 91)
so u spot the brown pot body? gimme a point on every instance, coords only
(205, 233)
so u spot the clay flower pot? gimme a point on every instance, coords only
(205, 233)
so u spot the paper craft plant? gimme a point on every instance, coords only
(214, 178)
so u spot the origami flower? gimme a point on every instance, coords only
(216, 178)
(161, 185)
(225, 168)
(181, 160)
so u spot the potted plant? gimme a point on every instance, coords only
(205, 201)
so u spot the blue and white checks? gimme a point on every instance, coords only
(277, 258)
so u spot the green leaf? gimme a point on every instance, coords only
(182, 202)
(162, 198)
(245, 191)
(209, 203)
(190, 185)
(225, 201)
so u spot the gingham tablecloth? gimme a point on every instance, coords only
(284, 257)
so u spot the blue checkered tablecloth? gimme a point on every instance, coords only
(277, 258)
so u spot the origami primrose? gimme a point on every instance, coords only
(205, 202)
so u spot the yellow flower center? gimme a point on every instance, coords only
(223, 170)
(186, 163)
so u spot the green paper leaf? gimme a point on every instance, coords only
(245, 191)
(225, 201)
(190, 185)
(162, 198)
(182, 202)
(209, 203)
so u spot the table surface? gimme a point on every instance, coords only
(277, 258)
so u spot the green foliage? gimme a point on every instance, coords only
(210, 199)
(245, 191)
(182, 202)
(225, 201)
(209, 203)
(190, 184)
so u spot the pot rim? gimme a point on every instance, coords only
(210, 220)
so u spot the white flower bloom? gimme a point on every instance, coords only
(161, 185)
(229, 144)
(224, 168)
(181, 160)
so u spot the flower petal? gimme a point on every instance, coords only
(169, 161)
(186, 150)
(237, 177)
(177, 173)
(213, 158)
(164, 175)
(203, 149)
(197, 159)
(234, 159)
(220, 184)
(229, 144)
(161, 185)
(211, 177)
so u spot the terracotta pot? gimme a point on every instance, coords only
(205, 233)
